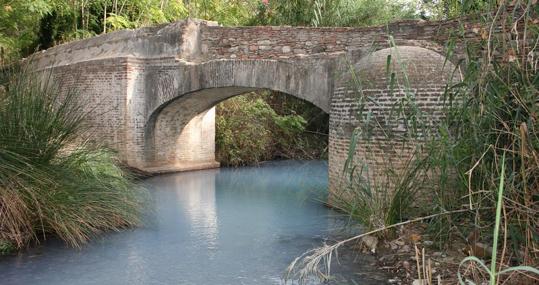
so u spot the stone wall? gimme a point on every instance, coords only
(150, 92)
(289, 42)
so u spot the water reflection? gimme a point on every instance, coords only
(199, 206)
(228, 226)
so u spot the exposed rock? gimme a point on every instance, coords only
(370, 242)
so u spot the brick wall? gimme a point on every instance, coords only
(98, 84)
(150, 92)
(421, 75)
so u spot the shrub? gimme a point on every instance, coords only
(243, 135)
(51, 181)
(255, 127)
(497, 116)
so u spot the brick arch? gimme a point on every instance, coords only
(419, 65)
(178, 128)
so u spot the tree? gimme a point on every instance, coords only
(334, 12)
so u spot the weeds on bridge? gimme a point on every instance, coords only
(484, 155)
(51, 181)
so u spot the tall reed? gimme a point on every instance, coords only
(494, 122)
(51, 180)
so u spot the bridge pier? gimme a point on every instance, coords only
(194, 147)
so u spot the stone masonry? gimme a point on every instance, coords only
(150, 92)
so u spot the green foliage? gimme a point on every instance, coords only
(6, 247)
(26, 26)
(118, 22)
(447, 9)
(18, 25)
(225, 12)
(491, 112)
(496, 116)
(242, 133)
(249, 130)
(51, 182)
(290, 125)
(455, 8)
(334, 12)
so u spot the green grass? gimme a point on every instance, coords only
(51, 180)
(493, 272)
(6, 247)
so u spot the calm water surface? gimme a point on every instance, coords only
(222, 226)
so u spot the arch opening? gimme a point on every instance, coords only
(181, 134)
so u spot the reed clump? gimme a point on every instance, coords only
(484, 154)
(51, 180)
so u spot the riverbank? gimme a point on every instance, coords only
(414, 256)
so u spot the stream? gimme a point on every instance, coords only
(220, 226)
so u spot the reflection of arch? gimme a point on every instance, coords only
(180, 122)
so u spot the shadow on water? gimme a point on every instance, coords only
(221, 226)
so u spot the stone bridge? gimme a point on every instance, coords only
(150, 92)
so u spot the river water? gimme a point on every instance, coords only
(221, 226)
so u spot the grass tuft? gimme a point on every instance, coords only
(51, 180)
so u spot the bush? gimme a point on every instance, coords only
(242, 131)
(255, 127)
(51, 181)
(496, 118)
